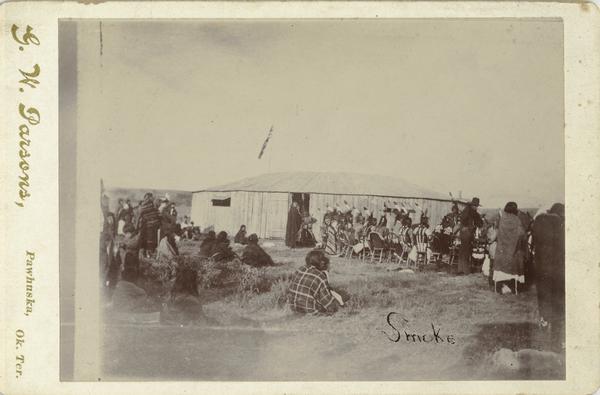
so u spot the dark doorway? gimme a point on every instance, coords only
(303, 200)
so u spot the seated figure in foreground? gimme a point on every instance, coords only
(184, 305)
(309, 290)
(128, 297)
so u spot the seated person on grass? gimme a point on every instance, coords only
(207, 245)
(128, 297)
(254, 255)
(222, 251)
(309, 290)
(184, 305)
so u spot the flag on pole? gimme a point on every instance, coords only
(264, 146)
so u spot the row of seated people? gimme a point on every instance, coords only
(403, 240)
(218, 248)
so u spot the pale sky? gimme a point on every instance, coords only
(450, 105)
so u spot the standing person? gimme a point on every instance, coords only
(107, 250)
(119, 215)
(148, 224)
(469, 221)
(294, 223)
(549, 259)
(422, 236)
(124, 215)
(510, 249)
(316, 226)
(136, 214)
(331, 229)
(129, 249)
(128, 212)
(168, 220)
(406, 235)
(390, 219)
(492, 243)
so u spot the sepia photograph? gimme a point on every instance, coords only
(304, 200)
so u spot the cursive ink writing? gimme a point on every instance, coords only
(400, 331)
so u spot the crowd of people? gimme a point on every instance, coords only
(153, 230)
(508, 249)
(502, 247)
(348, 230)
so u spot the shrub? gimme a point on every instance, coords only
(156, 275)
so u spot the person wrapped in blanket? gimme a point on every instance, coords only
(331, 235)
(240, 236)
(422, 236)
(254, 255)
(148, 223)
(406, 235)
(207, 244)
(309, 291)
(511, 248)
(222, 251)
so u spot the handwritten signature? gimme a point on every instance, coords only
(398, 326)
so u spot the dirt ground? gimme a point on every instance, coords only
(397, 325)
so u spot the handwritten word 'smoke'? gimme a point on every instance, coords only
(399, 332)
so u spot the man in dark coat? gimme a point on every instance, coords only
(469, 221)
(294, 223)
(549, 259)
(254, 255)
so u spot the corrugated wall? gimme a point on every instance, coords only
(265, 213)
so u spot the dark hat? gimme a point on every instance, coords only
(475, 202)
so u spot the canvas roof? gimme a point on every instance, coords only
(330, 183)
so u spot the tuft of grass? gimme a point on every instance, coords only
(365, 294)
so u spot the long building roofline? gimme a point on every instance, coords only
(331, 184)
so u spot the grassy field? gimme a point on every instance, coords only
(251, 335)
